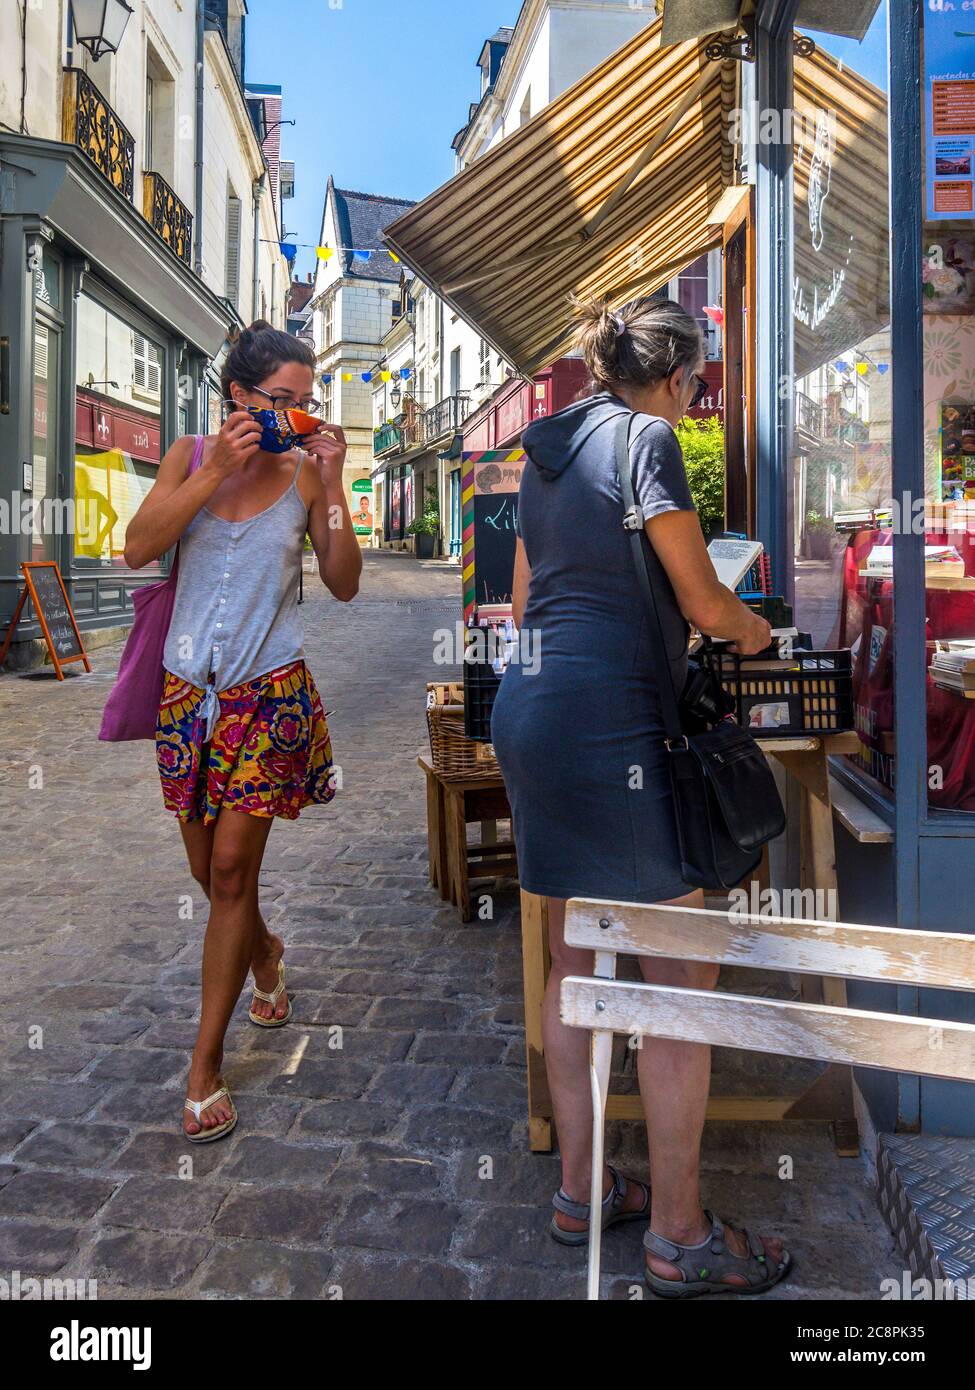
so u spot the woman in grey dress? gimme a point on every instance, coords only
(578, 734)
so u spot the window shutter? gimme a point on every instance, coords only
(232, 286)
(40, 353)
(146, 365)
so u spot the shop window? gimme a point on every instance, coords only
(118, 414)
(948, 332)
(841, 455)
(48, 521)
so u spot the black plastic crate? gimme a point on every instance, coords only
(481, 683)
(813, 696)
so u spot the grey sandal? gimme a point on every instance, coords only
(703, 1266)
(613, 1213)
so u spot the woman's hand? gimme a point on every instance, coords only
(328, 448)
(756, 637)
(239, 438)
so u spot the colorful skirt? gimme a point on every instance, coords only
(269, 753)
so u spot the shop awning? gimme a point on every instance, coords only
(607, 191)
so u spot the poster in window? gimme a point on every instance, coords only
(949, 102)
(362, 507)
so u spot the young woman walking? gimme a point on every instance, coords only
(241, 736)
(569, 735)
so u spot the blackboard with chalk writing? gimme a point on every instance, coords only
(52, 608)
(491, 481)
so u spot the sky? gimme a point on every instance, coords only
(378, 89)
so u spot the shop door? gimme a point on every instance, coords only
(738, 257)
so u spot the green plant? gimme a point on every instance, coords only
(702, 443)
(817, 524)
(428, 522)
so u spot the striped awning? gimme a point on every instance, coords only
(607, 191)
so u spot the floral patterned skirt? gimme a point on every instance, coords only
(269, 753)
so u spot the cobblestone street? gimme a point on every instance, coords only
(394, 1166)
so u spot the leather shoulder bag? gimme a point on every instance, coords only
(725, 798)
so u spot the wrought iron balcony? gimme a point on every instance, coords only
(446, 417)
(90, 123)
(386, 440)
(810, 417)
(169, 218)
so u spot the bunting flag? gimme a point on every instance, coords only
(288, 250)
(325, 253)
(404, 374)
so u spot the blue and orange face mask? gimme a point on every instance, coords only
(282, 430)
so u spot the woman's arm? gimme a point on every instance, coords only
(329, 520)
(174, 499)
(520, 583)
(704, 601)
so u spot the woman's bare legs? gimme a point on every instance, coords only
(232, 933)
(567, 1068)
(268, 950)
(675, 1078)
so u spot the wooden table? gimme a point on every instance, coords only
(831, 1096)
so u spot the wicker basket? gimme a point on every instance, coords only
(455, 756)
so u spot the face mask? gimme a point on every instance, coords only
(281, 430)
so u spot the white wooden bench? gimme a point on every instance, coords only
(792, 1028)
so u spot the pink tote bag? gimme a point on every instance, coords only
(132, 708)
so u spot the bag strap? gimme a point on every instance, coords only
(197, 458)
(633, 523)
(195, 462)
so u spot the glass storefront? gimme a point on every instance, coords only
(845, 513)
(841, 464)
(118, 431)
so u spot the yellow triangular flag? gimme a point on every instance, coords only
(324, 253)
(385, 376)
(346, 376)
(393, 256)
(863, 368)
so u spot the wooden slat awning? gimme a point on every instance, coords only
(607, 191)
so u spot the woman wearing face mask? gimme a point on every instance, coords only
(579, 737)
(241, 736)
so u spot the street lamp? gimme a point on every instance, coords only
(100, 24)
(395, 396)
(273, 126)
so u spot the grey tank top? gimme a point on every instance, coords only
(235, 616)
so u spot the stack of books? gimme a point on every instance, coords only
(865, 518)
(940, 562)
(953, 667)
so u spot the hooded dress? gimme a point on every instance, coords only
(577, 725)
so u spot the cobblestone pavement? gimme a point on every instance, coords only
(361, 1167)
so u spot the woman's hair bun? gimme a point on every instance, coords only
(258, 350)
(639, 344)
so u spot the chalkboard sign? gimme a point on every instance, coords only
(52, 608)
(491, 481)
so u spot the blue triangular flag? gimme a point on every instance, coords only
(288, 250)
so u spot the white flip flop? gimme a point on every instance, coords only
(196, 1109)
(272, 999)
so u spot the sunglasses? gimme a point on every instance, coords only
(700, 391)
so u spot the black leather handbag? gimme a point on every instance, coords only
(725, 798)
